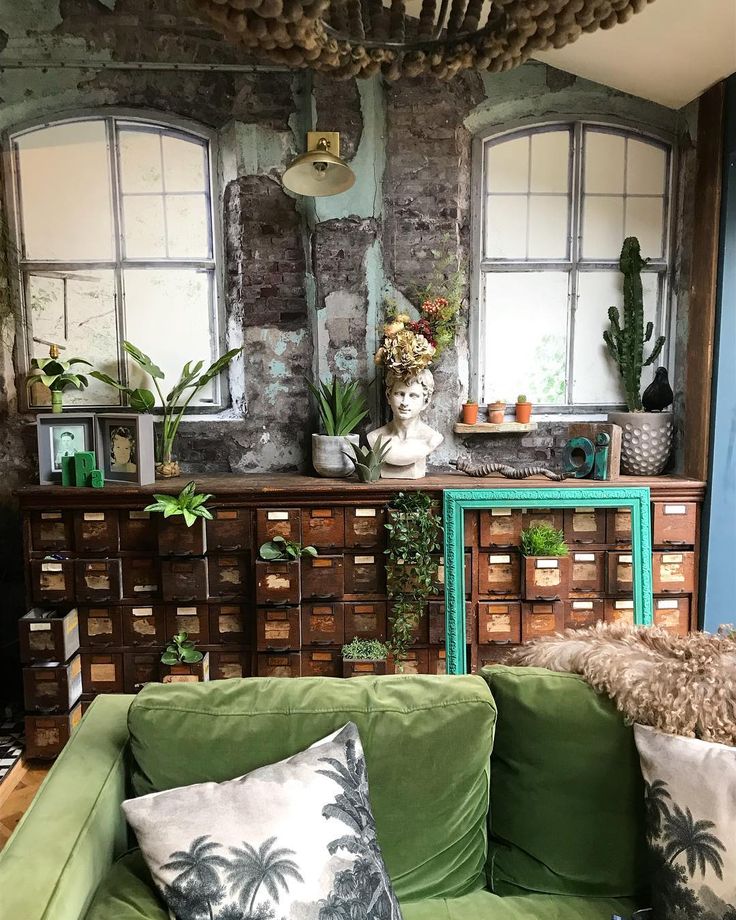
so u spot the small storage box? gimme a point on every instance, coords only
(323, 576)
(672, 614)
(48, 635)
(230, 624)
(585, 525)
(531, 517)
(541, 618)
(52, 686)
(102, 673)
(176, 539)
(138, 533)
(46, 735)
(619, 611)
(499, 622)
(51, 531)
(499, 573)
(52, 580)
(546, 577)
(323, 623)
(228, 575)
(100, 627)
(323, 662)
(365, 573)
(184, 579)
(323, 527)
(230, 664)
(415, 662)
(278, 582)
(278, 628)
(674, 523)
(618, 525)
(580, 613)
(278, 522)
(141, 578)
(673, 572)
(229, 530)
(500, 527)
(364, 527)
(144, 626)
(285, 665)
(587, 572)
(194, 621)
(140, 668)
(365, 620)
(437, 663)
(620, 573)
(362, 668)
(98, 580)
(96, 533)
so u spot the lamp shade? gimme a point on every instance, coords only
(318, 173)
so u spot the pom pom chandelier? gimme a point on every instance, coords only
(360, 38)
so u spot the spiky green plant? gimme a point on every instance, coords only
(365, 650)
(369, 460)
(181, 650)
(187, 504)
(626, 343)
(342, 406)
(543, 540)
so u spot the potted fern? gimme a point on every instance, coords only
(183, 663)
(546, 563)
(342, 408)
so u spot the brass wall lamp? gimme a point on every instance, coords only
(319, 171)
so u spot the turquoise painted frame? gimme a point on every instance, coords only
(457, 501)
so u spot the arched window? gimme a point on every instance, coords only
(557, 202)
(115, 241)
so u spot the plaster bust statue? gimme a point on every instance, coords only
(411, 439)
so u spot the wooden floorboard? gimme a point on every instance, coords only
(16, 794)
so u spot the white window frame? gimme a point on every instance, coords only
(664, 267)
(11, 175)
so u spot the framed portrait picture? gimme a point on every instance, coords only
(62, 435)
(125, 447)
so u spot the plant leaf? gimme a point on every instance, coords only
(188, 516)
(141, 400)
(214, 369)
(106, 378)
(143, 361)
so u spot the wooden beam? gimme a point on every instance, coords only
(704, 281)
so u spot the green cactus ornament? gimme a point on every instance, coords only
(626, 343)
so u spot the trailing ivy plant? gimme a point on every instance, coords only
(413, 529)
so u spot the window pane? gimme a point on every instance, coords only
(595, 374)
(604, 163)
(167, 314)
(184, 164)
(65, 192)
(140, 161)
(507, 166)
(548, 227)
(644, 219)
(603, 227)
(186, 223)
(76, 310)
(506, 226)
(526, 325)
(550, 161)
(645, 168)
(144, 226)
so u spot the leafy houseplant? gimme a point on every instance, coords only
(470, 413)
(413, 536)
(368, 461)
(57, 375)
(181, 650)
(647, 437)
(342, 408)
(546, 562)
(282, 550)
(523, 409)
(364, 656)
(187, 503)
(191, 379)
(182, 662)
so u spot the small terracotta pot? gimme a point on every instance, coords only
(470, 413)
(496, 412)
(523, 412)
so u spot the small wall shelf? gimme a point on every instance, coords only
(490, 428)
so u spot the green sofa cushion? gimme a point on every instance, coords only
(567, 799)
(427, 744)
(127, 893)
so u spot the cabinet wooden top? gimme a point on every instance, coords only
(259, 488)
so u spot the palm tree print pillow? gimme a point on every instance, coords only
(295, 840)
(690, 789)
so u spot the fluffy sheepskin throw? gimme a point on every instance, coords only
(680, 685)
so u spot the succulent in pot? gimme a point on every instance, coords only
(523, 409)
(470, 412)
(368, 461)
(496, 412)
(342, 408)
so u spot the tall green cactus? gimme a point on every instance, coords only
(626, 345)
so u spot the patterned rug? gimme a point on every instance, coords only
(11, 742)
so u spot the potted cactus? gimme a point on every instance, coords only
(470, 412)
(368, 461)
(523, 409)
(646, 441)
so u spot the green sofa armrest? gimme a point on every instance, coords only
(74, 829)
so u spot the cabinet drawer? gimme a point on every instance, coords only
(323, 527)
(585, 525)
(499, 573)
(437, 622)
(228, 575)
(140, 668)
(47, 735)
(176, 539)
(415, 662)
(674, 522)
(582, 613)
(546, 577)
(323, 624)
(138, 532)
(229, 624)
(52, 580)
(364, 527)
(437, 663)
(141, 578)
(278, 582)
(229, 530)
(51, 531)
(278, 628)
(52, 687)
(440, 577)
(499, 622)
(587, 572)
(100, 627)
(96, 532)
(620, 573)
(229, 664)
(323, 662)
(673, 573)
(278, 522)
(619, 611)
(323, 576)
(144, 626)
(541, 618)
(184, 579)
(194, 621)
(102, 673)
(365, 621)
(363, 668)
(289, 665)
(97, 580)
(497, 653)
(500, 527)
(618, 525)
(672, 614)
(365, 574)
(531, 517)
(48, 635)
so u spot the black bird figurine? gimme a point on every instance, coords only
(658, 395)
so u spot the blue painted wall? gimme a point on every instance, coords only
(719, 570)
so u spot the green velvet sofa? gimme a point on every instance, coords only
(507, 795)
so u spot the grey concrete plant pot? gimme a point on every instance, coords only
(646, 441)
(328, 458)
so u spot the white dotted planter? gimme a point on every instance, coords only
(646, 441)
